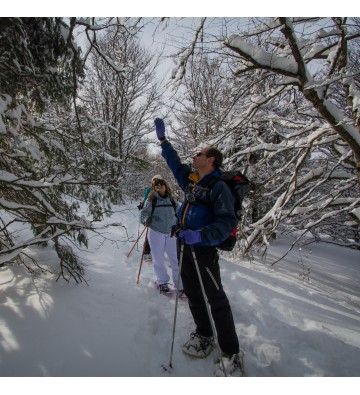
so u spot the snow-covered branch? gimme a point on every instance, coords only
(261, 58)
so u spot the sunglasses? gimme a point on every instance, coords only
(159, 182)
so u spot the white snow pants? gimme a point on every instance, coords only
(161, 243)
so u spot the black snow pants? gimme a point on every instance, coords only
(208, 262)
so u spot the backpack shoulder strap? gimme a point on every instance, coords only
(207, 187)
(153, 203)
(173, 204)
(210, 184)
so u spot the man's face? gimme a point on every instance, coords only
(200, 160)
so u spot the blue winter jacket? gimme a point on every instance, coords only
(215, 221)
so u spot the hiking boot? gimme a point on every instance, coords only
(164, 289)
(147, 258)
(232, 364)
(198, 346)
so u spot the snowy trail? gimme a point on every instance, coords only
(114, 328)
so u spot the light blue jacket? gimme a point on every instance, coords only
(164, 216)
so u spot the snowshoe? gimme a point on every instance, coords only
(164, 289)
(182, 295)
(147, 258)
(233, 365)
(198, 346)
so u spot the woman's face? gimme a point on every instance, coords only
(160, 187)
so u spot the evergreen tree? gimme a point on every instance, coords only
(40, 68)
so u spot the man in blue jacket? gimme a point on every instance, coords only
(207, 218)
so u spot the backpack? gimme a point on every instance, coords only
(239, 186)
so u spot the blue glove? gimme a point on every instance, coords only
(190, 236)
(160, 129)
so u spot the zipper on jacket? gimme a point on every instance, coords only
(212, 277)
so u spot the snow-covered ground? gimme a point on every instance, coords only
(288, 325)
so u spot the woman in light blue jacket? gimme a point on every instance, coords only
(159, 214)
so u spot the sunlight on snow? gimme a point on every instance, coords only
(7, 339)
(41, 303)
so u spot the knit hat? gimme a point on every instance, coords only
(157, 177)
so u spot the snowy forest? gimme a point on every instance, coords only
(78, 96)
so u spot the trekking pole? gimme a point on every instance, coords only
(142, 255)
(207, 304)
(136, 242)
(139, 229)
(176, 304)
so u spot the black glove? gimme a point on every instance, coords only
(148, 221)
(140, 206)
